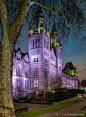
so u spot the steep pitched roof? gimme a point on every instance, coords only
(22, 53)
(69, 66)
(39, 13)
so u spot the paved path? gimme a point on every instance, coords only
(67, 111)
(33, 106)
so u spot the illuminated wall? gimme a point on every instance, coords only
(41, 68)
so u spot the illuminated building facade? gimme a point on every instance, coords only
(41, 68)
(82, 85)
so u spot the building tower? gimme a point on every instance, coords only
(38, 51)
(55, 44)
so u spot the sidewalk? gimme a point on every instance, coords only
(33, 106)
(67, 111)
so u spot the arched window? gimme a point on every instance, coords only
(18, 70)
(36, 72)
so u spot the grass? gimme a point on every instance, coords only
(82, 113)
(45, 110)
(19, 106)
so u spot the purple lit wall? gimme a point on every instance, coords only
(41, 68)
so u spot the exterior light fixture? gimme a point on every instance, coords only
(61, 47)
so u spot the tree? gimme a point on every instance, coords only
(46, 81)
(10, 34)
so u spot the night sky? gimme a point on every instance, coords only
(73, 51)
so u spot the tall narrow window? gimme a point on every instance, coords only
(18, 82)
(35, 83)
(26, 83)
(36, 72)
(36, 59)
(33, 43)
(44, 42)
(36, 42)
(18, 70)
(25, 72)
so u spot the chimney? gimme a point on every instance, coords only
(18, 49)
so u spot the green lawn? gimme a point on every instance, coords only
(19, 106)
(82, 113)
(45, 110)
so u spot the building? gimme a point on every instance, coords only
(40, 69)
(82, 85)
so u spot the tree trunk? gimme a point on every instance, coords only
(6, 60)
(44, 94)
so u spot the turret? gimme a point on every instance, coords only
(55, 44)
(38, 45)
(38, 22)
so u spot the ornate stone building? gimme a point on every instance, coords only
(41, 68)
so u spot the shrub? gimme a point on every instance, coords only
(62, 94)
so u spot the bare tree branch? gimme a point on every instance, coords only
(19, 21)
(82, 1)
(50, 8)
